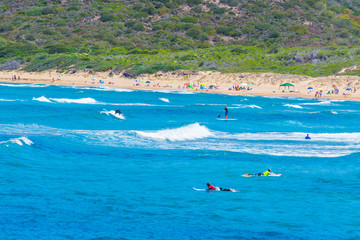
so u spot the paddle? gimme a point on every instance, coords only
(220, 113)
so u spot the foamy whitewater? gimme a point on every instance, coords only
(73, 169)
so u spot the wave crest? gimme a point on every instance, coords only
(189, 132)
(81, 100)
(41, 99)
(19, 141)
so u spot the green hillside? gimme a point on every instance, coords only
(312, 37)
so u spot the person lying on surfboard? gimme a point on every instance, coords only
(210, 187)
(266, 173)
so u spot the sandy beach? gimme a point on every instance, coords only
(262, 84)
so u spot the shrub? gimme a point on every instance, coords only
(193, 32)
(189, 19)
(106, 16)
(57, 48)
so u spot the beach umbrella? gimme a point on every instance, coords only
(148, 82)
(250, 84)
(287, 85)
(101, 81)
(171, 81)
(348, 89)
(202, 83)
(137, 80)
(310, 88)
(93, 79)
(187, 83)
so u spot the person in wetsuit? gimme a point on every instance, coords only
(307, 136)
(118, 111)
(226, 112)
(210, 187)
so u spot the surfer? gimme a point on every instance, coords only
(266, 173)
(118, 112)
(307, 136)
(210, 187)
(226, 112)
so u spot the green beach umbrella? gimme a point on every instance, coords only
(287, 85)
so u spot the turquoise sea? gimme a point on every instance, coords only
(70, 169)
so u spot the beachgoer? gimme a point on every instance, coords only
(307, 136)
(118, 111)
(212, 188)
(226, 112)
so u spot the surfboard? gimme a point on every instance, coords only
(202, 190)
(252, 175)
(229, 119)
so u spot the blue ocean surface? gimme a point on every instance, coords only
(72, 169)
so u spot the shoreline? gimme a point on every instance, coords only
(260, 84)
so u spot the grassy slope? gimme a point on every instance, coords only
(310, 37)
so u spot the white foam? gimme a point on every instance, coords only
(293, 136)
(137, 104)
(333, 112)
(327, 102)
(105, 88)
(189, 132)
(23, 85)
(7, 100)
(293, 106)
(284, 150)
(113, 113)
(164, 99)
(246, 106)
(41, 99)
(81, 100)
(20, 141)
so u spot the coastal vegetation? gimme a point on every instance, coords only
(308, 37)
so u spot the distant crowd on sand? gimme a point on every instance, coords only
(14, 77)
(347, 92)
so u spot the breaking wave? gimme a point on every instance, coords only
(164, 99)
(293, 106)
(19, 141)
(41, 99)
(81, 100)
(189, 132)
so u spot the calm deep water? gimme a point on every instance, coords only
(70, 169)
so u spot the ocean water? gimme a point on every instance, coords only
(71, 169)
